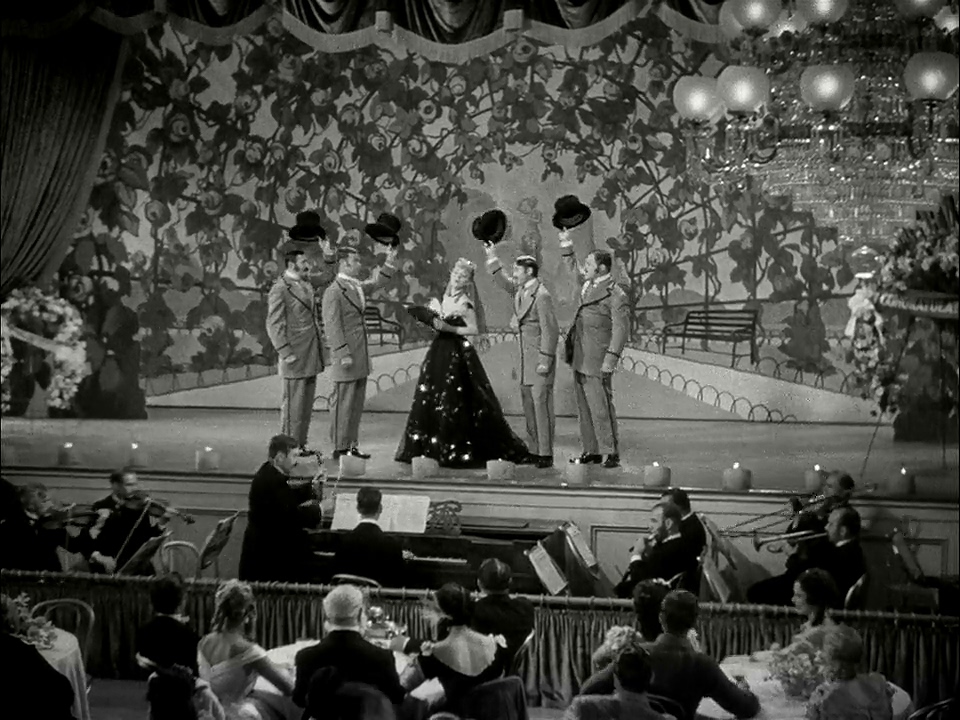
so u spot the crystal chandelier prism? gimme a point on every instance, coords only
(848, 106)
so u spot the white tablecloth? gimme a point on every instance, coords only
(66, 658)
(774, 702)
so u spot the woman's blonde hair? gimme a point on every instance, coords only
(233, 603)
(843, 650)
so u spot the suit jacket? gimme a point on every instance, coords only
(275, 543)
(511, 617)
(294, 327)
(369, 552)
(343, 321)
(845, 565)
(36, 688)
(624, 705)
(693, 535)
(685, 676)
(354, 658)
(600, 325)
(26, 545)
(537, 327)
(166, 641)
(665, 559)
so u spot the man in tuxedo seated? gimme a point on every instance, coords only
(344, 648)
(844, 561)
(632, 674)
(366, 550)
(692, 533)
(167, 640)
(276, 545)
(25, 544)
(496, 612)
(664, 555)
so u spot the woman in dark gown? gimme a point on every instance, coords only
(456, 418)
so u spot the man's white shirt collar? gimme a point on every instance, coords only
(368, 521)
(530, 283)
(292, 275)
(844, 542)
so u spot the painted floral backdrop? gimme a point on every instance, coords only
(213, 150)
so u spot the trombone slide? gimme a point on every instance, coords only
(787, 537)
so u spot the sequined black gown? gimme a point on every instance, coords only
(456, 418)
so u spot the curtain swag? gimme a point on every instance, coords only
(918, 652)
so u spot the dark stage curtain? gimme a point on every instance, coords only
(919, 653)
(335, 16)
(569, 13)
(214, 13)
(58, 97)
(449, 21)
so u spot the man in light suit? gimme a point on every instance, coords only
(344, 302)
(294, 325)
(537, 335)
(595, 340)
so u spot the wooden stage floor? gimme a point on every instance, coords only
(696, 451)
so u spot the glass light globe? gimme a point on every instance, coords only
(696, 98)
(756, 14)
(728, 23)
(932, 75)
(821, 12)
(827, 88)
(788, 22)
(919, 8)
(743, 89)
(864, 262)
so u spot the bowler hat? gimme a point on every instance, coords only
(386, 230)
(490, 227)
(569, 212)
(308, 227)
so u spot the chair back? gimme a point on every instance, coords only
(677, 580)
(522, 655)
(667, 706)
(938, 711)
(501, 699)
(71, 615)
(358, 580)
(902, 548)
(180, 556)
(854, 598)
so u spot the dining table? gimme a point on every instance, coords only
(775, 704)
(65, 657)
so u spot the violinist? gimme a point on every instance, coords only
(778, 590)
(26, 543)
(126, 520)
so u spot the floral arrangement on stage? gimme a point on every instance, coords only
(52, 349)
(18, 621)
(800, 673)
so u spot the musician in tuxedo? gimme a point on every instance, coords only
(595, 340)
(294, 324)
(276, 545)
(344, 304)
(537, 335)
(122, 526)
(844, 561)
(366, 550)
(25, 542)
(664, 556)
(497, 612)
(692, 531)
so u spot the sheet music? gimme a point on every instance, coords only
(579, 543)
(546, 569)
(401, 513)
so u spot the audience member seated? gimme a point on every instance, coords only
(664, 555)
(121, 527)
(25, 543)
(844, 561)
(683, 674)
(32, 687)
(814, 593)
(167, 639)
(344, 648)
(275, 544)
(632, 674)
(330, 698)
(366, 550)
(847, 694)
(499, 613)
(175, 693)
(462, 658)
(231, 663)
(778, 590)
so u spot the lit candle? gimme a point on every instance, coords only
(138, 456)
(207, 460)
(577, 473)
(656, 475)
(902, 483)
(736, 478)
(67, 455)
(813, 479)
(424, 467)
(500, 470)
(352, 466)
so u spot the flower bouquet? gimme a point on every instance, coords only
(798, 673)
(18, 622)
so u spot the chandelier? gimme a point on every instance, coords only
(847, 106)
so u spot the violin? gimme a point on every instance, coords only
(153, 507)
(58, 518)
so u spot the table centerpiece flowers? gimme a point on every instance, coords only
(799, 673)
(17, 620)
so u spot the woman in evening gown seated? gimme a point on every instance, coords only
(231, 663)
(814, 594)
(456, 418)
(848, 695)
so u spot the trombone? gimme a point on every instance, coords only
(794, 537)
(779, 515)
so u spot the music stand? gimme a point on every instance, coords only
(583, 569)
(215, 543)
(546, 569)
(143, 555)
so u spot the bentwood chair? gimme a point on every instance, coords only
(176, 556)
(938, 711)
(74, 616)
(855, 595)
(358, 580)
(522, 655)
(666, 706)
